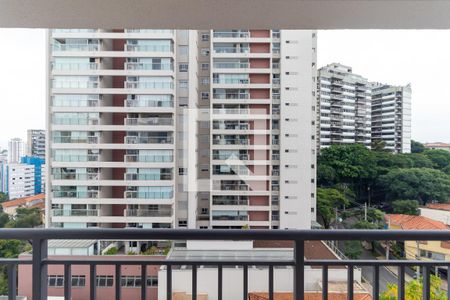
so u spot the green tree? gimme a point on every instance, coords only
(353, 165)
(25, 218)
(4, 219)
(420, 184)
(417, 147)
(328, 200)
(420, 160)
(353, 249)
(413, 290)
(407, 207)
(440, 158)
(3, 197)
(446, 170)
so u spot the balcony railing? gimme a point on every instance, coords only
(147, 140)
(149, 121)
(75, 66)
(231, 96)
(148, 66)
(148, 85)
(148, 213)
(134, 176)
(40, 261)
(149, 158)
(75, 212)
(147, 103)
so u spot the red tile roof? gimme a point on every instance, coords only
(414, 222)
(440, 206)
(23, 201)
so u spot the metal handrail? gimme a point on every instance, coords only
(40, 259)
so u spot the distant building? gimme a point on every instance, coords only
(39, 172)
(422, 250)
(437, 211)
(438, 146)
(354, 110)
(257, 276)
(391, 116)
(10, 207)
(130, 277)
(21, 178)
(3, 176)
(36, 143)
(15, 150)
(344, 101)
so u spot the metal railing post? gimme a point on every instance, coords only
(12, 282)
(299, 271)
(39, 270)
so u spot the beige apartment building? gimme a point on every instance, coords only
(181, 128)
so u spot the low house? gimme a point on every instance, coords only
(11, 206)
(232, 275)
(437, 211)
(422, 250)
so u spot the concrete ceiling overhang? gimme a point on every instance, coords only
(227, 14)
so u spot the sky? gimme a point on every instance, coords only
(398, 57)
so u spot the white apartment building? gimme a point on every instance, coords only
(15, 150)
(20, 180)
(391, 116)
(344, 99)
(36, 143)
(181, 128)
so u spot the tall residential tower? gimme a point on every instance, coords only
(181, 128)
(344, 99)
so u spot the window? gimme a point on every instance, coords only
(183, 84)
(130, 281)
(205, 66)
(55, 280)
(204, 211)
(105, 280)
(204, 51)
(182, 171)
(183, 67)
(205, 37)
(204, 81)
(152, 281)
(182, 223)
(78, 280)
(205, 95)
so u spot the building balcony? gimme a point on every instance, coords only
(148, 66)
(150, 159)
(148, 140)
(155, 121)
(75, 212)
(148, 213)
(148, 85)
(296, 264)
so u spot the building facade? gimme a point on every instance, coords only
(20, 180)
(344, 100)
(196, 129)
(391, 117)
(354, 110)
(36, 143)
(15, 150)
(39, 172)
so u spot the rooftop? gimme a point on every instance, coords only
(439, 206)
(23, 201)
(409, 222)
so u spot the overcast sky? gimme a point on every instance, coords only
(421, 58)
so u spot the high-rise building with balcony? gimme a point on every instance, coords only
(20, 178)
(36, 143)
(181, 128)
(391, 116)
(344, 101)
(15, 150)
